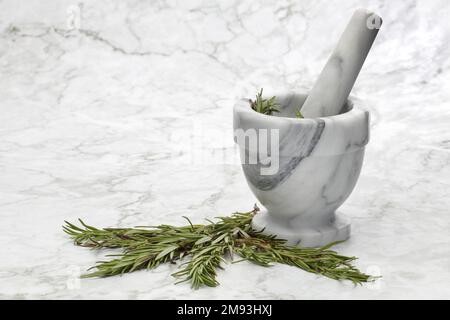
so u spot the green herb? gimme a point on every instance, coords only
(265, 106)
(204, 247)
(268, 106)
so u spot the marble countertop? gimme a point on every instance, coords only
(120, 113)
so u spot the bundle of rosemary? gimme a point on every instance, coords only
(206, 246)
(268, 106)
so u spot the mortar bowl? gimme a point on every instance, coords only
(301, 170)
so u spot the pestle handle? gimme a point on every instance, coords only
(337, 78)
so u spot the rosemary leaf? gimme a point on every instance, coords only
(269, 106)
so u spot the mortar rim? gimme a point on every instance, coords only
(354, 111)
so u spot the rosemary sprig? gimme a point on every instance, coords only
(265, 106)
(268, 106)
(201, 269)
(206, 246)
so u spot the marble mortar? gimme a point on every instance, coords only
(319, 163)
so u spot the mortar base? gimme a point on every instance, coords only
(337, 229)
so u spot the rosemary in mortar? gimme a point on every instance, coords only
(204, 248)
(268, 106)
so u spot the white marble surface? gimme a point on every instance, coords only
(93, 125)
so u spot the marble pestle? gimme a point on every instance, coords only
(331, 90)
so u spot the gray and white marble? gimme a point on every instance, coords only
(318, 162)
(333, 86)
(93, 125)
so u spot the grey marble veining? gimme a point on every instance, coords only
(333, 86)
(319, 163)
(90, 120)
(296, 142)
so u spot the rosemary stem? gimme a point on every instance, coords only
(205, 246)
